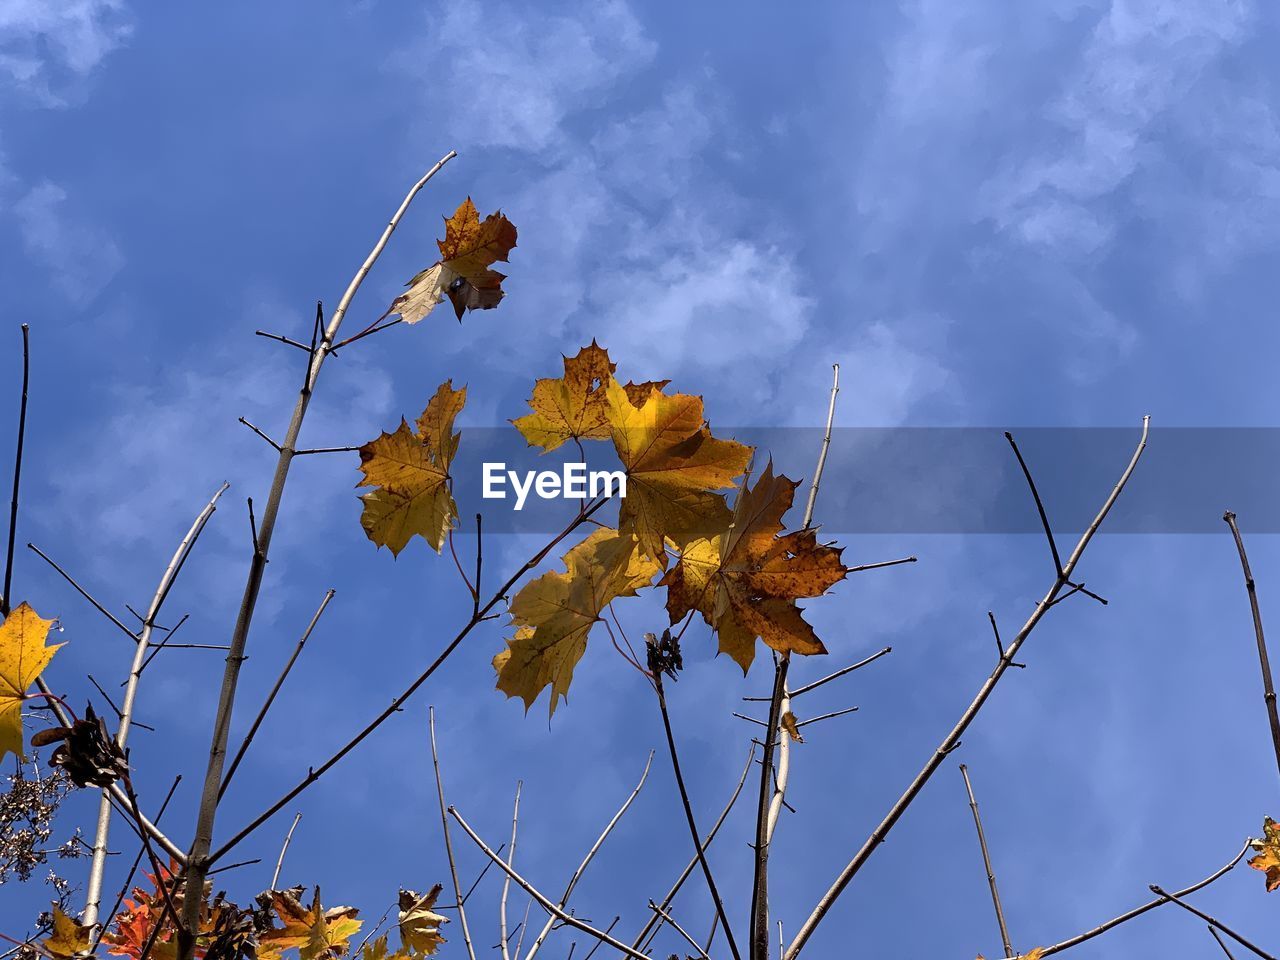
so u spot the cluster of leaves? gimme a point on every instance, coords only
(279, 920)
(730, 564)
(27, 811)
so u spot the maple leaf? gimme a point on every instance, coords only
(789, 723)
(419, 924)
(745, 580)
(572, 407)
(68, 937)
(1035, 954)
(1268, 857)
(23, 655)
(576, 405)
(410, 469)
(378, 951)
(319, 934)
(673, 465)
(554, 614)
(469, 248)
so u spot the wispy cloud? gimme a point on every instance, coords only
(81, 258)
(531, 72)
(47, 46)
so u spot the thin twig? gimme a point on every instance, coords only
(822, 451)
(448, 844)
(313, 450)
(827, 716)
(831, 676)
(654, 923)
(986, 862)
(1268, 685)
(546, 904)
(275, 689)
(506, 882)
(582, 867)
(609, 929)
(1139, 911)
(679, 929)
(284, 848)
(1174, 898)
(83, 592)
(1222, 943)
(278, 448)
(277, 337)
(950, 741)
(688, 814)
(1044, 517)
(5, 594)
(167, 642)
(199, 857)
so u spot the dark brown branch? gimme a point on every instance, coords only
(278, 338)
(986, 863)
(1044, 517)
(654, 923)
(307, 453)
(688, 814)
(1222, 943)
(827, 716)
(1268, 685)
(83, 592)
(1174, 898)
(5, 594)
(278, 448)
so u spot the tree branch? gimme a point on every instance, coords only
(950, 741)
(199, 860)
(448, 844)
(5, 593)
(543, 902)
(986, 863)
(1268, 685)
(1174, 898)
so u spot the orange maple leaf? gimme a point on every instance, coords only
(746, 579)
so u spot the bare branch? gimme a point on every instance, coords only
(5, 593)
(655, 923)
(950, 741)
(506, 882)
(1174, 898)
(83, 592)
(1044, 517)
(577, 874)
(284, 848)
(1268, 685)
(679, 929)
(278, 338)
(448, 844)
(546, 904)
(275, 689)
(1139, 911)
(278, 448)
(1222, 943)
(827, 716)
(831, 676)
(822, 451)
(688, 809)
(986, 862)
(98, 864)
(199, 858)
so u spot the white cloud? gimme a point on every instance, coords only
(45, 45)
(81, 257)
(1141, 62)
(531, 72)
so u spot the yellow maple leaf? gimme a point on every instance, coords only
(469, 248)
(410, 469)
(572, 407)
(68, 937)
(319, 934)
(1268, 857)
(419, 924)
(745, 580)
(554, 614)
(23, 655)
(673, 466)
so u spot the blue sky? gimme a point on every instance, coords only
(1061, 214)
